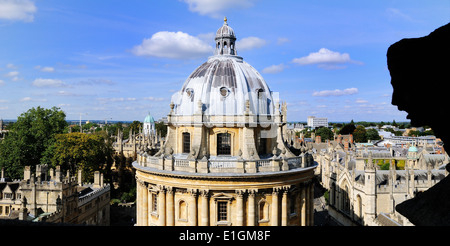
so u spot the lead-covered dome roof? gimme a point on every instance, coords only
(224, 83)
(225, 31)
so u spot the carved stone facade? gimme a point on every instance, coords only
(50, 196)
(225, 160)
(263, 199)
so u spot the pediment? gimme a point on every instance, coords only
(222, 196)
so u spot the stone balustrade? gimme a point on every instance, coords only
(222, 165)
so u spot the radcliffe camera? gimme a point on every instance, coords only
(262, 117)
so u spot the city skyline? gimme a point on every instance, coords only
(120, 60)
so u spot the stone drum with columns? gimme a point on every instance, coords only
(225, 160)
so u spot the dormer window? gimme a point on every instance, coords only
(190, 93)
(259, 93)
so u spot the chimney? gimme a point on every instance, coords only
(79, 177)
(26, 173)
(97, 179)
(58, 174)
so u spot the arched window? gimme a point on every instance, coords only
(345, 200)
(223, 144)
(263, 211)
(186, 142)
(182, 211)
(262, 214)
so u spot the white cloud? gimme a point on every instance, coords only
(281, 41)
(207, 37)
(115, 99)
(65, 93)
(155, 99)
(361, 101)
(215, 8)
(336, 92)
(176, 45)
(250, 43)
(45, 69)
(274, 68)
(325, 58)
(29, 99)
(12, 74)
(2, 82)
(396, 13)
(47, 83)
(11, 66)
(21, 10)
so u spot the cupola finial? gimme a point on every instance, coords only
(225, 21)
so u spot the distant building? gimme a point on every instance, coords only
(315, 122)
(49, 196)
(360, 193)
(2, 130)
(149, 125)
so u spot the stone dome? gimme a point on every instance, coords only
(225, 31)
(149, 119)
(225, 84)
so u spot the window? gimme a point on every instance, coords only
(262, 213)
(190, 92)
(182, 211)
(224, 91)
(262, 147)
(155, 202)
(186, 142)
(223, 144)
(292, 209)
(222, 211)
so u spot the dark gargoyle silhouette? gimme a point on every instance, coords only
(420, 77)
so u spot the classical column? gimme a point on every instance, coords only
(311, 210)
(303, 204)
(274, 220)
(192, 217)
(205, 207)
(240, 207)
(308, 203)
(170, 206)
(138, 201)
(162, 206)
(284, 207)
(251, 208)
(144, 202)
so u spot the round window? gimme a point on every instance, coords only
(224, 91)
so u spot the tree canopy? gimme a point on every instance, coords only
(29, 138)
(88, 152)
(348, 128)
(325, 133)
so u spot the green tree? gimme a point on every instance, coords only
(372, 134)
(88, 152)
(162, 128)
(135, 126)
(325, 133)
(29, 138)
(348, 128)
(359, 134)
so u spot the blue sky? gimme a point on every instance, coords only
(119, 60)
